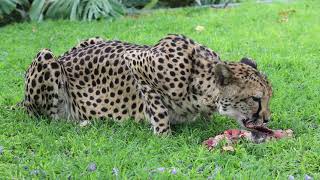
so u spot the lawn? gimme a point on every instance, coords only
(284, 39)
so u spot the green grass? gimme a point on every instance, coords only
(288, 52)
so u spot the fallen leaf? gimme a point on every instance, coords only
(284, 15)
(34, 29)
(199, 28)
(228, 148)
(85, 123)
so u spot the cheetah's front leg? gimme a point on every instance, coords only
(157, 113)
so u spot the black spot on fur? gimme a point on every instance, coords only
(54, 65)
(39, 67)
(47, 56)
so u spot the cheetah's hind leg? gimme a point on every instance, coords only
(44, 86)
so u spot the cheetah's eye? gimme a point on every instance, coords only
(256, 99)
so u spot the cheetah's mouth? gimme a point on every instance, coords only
(251, 126)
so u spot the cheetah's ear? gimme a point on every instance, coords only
(249, 62)
(223, 74)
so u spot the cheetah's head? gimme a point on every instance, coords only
(244, 93)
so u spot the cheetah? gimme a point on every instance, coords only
(170, 82)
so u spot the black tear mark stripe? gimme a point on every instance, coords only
(256, 115)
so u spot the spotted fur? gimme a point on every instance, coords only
(170, 82)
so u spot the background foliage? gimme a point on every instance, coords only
(38, 10)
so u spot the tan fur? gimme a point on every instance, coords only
(170, 82)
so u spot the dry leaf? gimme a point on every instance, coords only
(284, 15)
(85, 123)
(199, 28)
(228, 148)
(34, 29)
